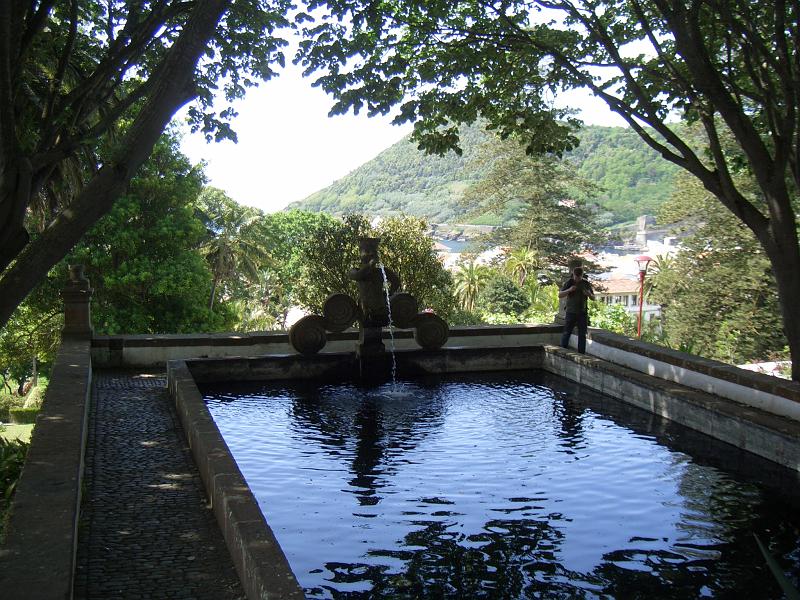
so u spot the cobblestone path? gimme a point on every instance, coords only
(146, 531)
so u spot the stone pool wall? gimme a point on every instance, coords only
(755, 389)
(744, 425)
(637, 377)
(155, 350)
(257, 556)
(750, 410)
(37, 557)
(765, 392)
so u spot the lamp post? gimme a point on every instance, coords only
(642, 262)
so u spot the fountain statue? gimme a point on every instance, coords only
(380, 304)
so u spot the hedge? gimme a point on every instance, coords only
(21, 415)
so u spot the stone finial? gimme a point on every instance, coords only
(77, 297)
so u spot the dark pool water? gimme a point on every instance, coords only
(504, 486)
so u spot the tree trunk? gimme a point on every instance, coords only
(5, 384)
(15, 192)
(174, 87)
(786, 267)
(213, 294)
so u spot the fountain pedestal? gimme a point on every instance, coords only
(370, 342)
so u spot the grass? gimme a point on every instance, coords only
(17, 432)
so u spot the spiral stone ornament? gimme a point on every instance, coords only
(307, 336)
(340, 312)
(404, 310)
(431, 331)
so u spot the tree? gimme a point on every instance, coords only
(520, 263)
(550, 219)
(543, 301)
(661, 268)
(551, 222)
(266, 303)
(502, 295)
(470, 280)
(718, 294)
(327, 256)
(730, 66)
(143, 263)
(232, 250)
(31, 339)
(142, 258)
(409, 251)
(331, 250)
(87, 87)
(612, 317)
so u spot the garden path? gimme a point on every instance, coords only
(146, 529)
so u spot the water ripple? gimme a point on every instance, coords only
(502, 486)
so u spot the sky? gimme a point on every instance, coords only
(289, 148)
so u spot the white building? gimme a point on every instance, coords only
(624, 291)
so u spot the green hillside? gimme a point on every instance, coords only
(401, 179)
(634, 179)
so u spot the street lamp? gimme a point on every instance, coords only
(642, 262)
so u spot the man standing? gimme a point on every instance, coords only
(577, 292)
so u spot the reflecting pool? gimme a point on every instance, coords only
(503, 486)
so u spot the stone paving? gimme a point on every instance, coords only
(146, 529)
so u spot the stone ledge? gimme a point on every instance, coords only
(712, 368)
(259, 559)
(771, 436)
(38, 556)
(282, 337)
(344, 365)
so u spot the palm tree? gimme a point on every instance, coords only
(544, 299)
(470, 279)
(520, 263)
(230, 249)
(662, 264)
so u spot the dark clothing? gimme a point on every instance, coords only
(582, 321)
(577, 300)
(577, 313)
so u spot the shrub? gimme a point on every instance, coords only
(7, 402)
(501, 295)
(21, 415)
(12, 457)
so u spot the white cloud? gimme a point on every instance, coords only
(288, 146)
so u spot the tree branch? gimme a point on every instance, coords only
(727, 193)
(63, 61)
(690, 43)
(173, 86)
(28, 30)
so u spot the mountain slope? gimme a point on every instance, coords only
(401, 179)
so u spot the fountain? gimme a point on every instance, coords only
(530, 484)
(380, 304)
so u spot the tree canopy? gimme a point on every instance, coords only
(142, 258)
(331, 251)
(143, 262)
(86, 89)
(718, 295)
(732, 66)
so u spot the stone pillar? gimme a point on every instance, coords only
(77, 296)
(370, 342)
(561, 316)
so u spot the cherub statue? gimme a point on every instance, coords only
(371, 294)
